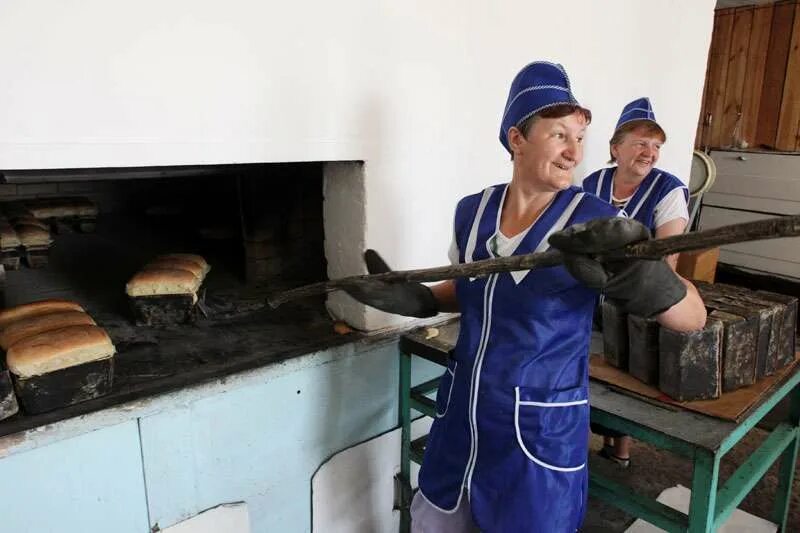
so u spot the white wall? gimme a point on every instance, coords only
(415, 89)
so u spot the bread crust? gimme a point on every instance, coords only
(29, 220)
(33, 325)
(40, 307)
(57, 349)
(31, 235)
(177, 264)
(159, 281)
(197, 259)
(62, 207)
(8, 238)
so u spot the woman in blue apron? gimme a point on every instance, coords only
(507, 450)
(645, 193)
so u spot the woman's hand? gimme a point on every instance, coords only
(402, 298)
(646, 287)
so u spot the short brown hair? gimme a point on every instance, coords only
(651, 129)
(556, 111)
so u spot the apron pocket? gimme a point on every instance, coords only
(445, 389)
(552, 427)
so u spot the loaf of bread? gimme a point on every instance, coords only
(33, 236)
(160, 281)
(8, 237)
(57, 349)
(62, 207)
(33, 325)
(29, 220)
(177, 264)
(42, 307)
(194, 258)
(85, 208)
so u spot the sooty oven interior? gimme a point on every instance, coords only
(259, 226)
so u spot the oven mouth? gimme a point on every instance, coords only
(261, 227)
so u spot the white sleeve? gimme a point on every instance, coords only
(453, 252)
(671, 207)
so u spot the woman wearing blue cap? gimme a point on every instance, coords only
(645, 193)
(507, 450)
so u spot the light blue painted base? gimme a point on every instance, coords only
(257, 438)
(90, 483)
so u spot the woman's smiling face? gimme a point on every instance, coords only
(638, 152)
(546, 158)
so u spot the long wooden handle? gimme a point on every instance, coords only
(772, 228)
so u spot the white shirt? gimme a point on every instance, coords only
(671, 207)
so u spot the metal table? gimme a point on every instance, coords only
(702, 439)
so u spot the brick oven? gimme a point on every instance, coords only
(261, 227)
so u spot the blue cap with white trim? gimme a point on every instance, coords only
(539, 85)
(639, 109)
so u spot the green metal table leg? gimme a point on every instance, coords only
(405, 442)
(783, 491)
(704, 492)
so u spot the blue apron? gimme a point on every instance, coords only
(642, 205)
(512, 416)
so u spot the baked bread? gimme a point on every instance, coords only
(42, 307)
(177, 264)
(8, 237)
(57, 349)
(62, 207)
(84, 207)
(51, 211)
(29, 220)
(160, 281)
(33, 325)
(198, 260)
(33, 236)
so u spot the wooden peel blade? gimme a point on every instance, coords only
(772, 228)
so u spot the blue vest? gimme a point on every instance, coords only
(512, 417)
(642, 205)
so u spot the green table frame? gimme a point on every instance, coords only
(703, 440)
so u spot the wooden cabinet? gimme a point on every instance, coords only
(752, 90)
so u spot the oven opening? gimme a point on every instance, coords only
(260, 227)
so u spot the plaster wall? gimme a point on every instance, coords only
(414, 89)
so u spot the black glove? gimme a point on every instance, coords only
(401, 298)
(645, 287)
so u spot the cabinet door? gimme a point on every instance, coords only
(789, 125)
(717, 75)
(729, 121)
(92, 483)
(774, 75)
(756, 64)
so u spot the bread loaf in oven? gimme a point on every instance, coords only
(194, 258)
(33, 236)
(33, 325)
(58, 349)
(160, 281)
(177, 264)
(41, 307)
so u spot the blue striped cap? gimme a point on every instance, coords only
(539, 85)
(639, 109)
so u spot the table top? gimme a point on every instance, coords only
(688, 427)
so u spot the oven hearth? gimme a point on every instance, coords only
(260, 227)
